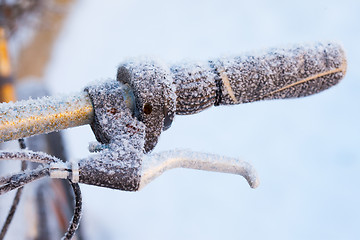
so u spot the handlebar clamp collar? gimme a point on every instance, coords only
(154, 91)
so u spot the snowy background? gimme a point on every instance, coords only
(306, 151)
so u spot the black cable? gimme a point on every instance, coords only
(13, 207)
(16, 198)
(38, 157)
(25, 155)
(20, 179)
(11, 213)
(75, 221)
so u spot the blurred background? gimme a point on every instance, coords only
(306, 151)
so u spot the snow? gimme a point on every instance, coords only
(306, 151)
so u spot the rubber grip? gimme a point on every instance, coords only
(276, 73)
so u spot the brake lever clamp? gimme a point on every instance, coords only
(118, 164)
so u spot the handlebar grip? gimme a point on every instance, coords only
(277, 73)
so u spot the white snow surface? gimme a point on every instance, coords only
(306, 151)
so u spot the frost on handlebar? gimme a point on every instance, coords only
(161, 91)
(36, 116)
(276, 73)
(128, 115)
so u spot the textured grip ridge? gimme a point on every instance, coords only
(196, 88)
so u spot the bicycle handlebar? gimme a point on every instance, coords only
(275, 74)
(128, 115)
(161, 92)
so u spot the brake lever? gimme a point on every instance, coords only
(155, 164)
(128, 115)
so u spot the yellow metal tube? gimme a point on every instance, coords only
(44, 115)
